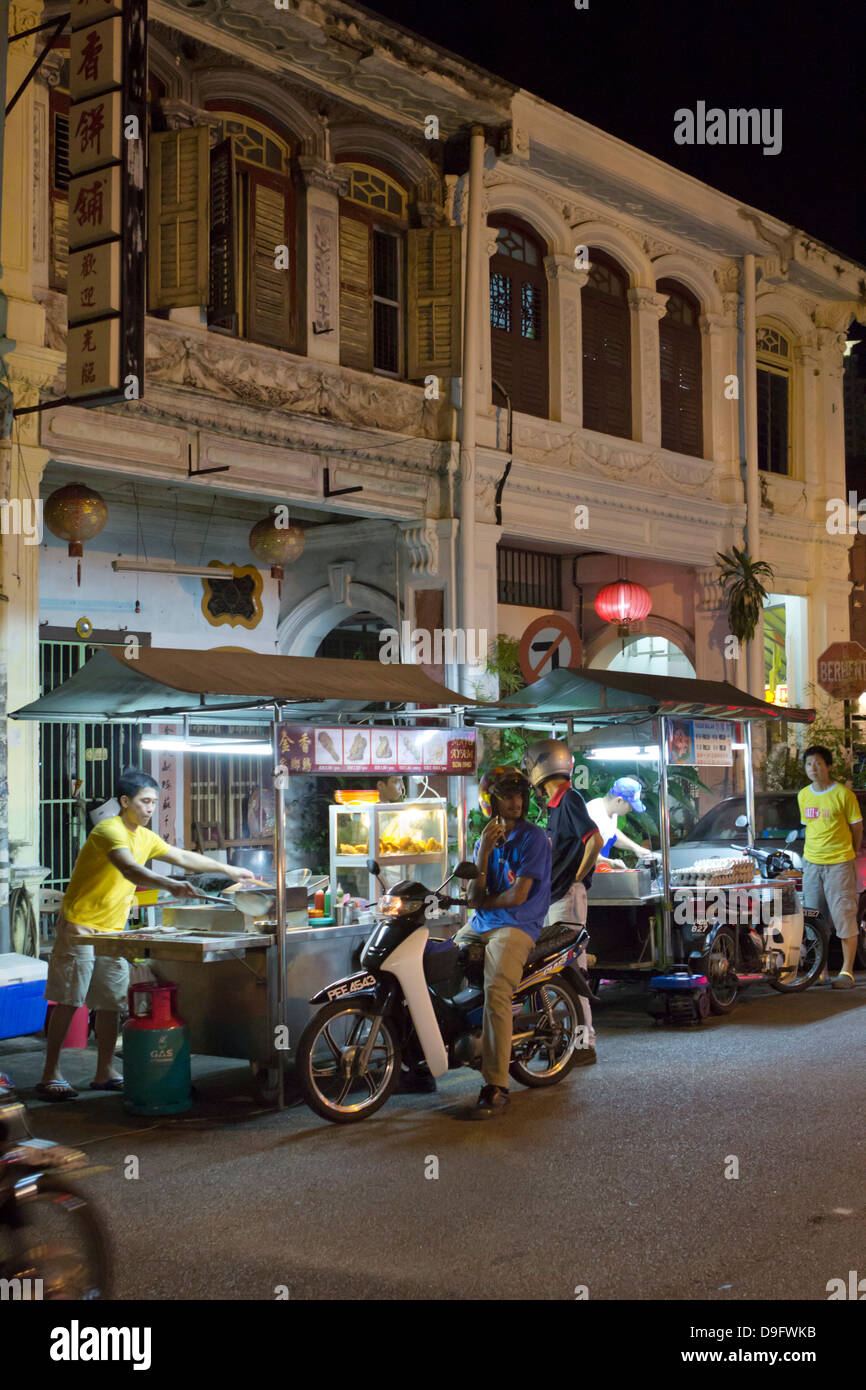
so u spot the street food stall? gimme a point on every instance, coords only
(655, 722)
(246, 971)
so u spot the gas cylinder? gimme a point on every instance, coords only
(156, 1059)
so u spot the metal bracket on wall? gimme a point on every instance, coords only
(340, 491)
(59, 24)
(200, 472)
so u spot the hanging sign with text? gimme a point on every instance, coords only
(107, 117)
(382, 752)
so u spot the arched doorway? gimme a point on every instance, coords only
(644, 654)
(356, 638)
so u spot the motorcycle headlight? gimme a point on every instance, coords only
(390, 906)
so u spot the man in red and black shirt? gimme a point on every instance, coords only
(576, 842)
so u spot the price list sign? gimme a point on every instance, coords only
(107, 67)
(713, 743)
(383, 751)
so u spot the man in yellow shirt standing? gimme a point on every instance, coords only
(107, 872)
(834, 831)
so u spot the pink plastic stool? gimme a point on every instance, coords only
(78, 1028)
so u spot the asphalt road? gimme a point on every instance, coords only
(614, 1180)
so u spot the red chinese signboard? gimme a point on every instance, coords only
(381, 752)
(842, 670)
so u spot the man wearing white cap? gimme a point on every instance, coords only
(624, 796)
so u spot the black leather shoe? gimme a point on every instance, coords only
(492, 1101)
(585, 1057)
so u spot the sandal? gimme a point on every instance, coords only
(114, 1083)
(56, 1090)
(844, 980)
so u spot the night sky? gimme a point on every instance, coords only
(627, 66)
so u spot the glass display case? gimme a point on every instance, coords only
(408, 838)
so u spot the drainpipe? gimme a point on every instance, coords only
(755, 655)
(469, 388)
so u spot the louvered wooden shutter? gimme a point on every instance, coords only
(518, 333)
(59, 190)
(223, 304)
(433, 261)
(606, 365)
(356, 293)
(178, 218)
(681, 395)
(269, 290)
(772, 421)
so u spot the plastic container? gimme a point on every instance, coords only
(319, 902)
(22, 986)
(156, 1056)
(79, 1028)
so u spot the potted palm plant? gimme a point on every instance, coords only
(740, 578)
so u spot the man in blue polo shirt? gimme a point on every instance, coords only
(511, 896)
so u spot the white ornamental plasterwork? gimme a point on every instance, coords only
(569, 330)
(727, 278)
(324, 229)
(708, 591)
(583, 453)
(340, 577)
(421, 540)
(276, 381)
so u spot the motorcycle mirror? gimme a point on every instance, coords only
(742, 822)
(373, 867)
(466, 870)
(792, 836)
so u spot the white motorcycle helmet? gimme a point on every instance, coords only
(548, 757)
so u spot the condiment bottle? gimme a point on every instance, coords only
(319, 901)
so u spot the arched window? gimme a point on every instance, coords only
(680, 366)
(518, 316)
(775, 365)
(373, 223)
(252, 243)
(606, 348)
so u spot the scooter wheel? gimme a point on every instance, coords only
(326, 1062)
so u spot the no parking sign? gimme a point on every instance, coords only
(550, 642)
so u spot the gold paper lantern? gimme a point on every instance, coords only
(276, 546)
(75, 513)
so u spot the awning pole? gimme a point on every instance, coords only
(280, 866)
(665, 835)
(750, 782)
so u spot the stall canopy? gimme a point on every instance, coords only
(585, 695)
(160, 682)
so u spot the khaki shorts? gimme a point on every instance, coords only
(833, 886)
(76, 976)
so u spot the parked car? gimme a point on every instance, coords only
(776, 815)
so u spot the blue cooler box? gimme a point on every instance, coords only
(22, 985)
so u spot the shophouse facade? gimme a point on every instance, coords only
(375, 266)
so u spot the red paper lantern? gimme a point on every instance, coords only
(623, 603)
(75, 514)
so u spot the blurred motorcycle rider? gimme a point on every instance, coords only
(576, 843)
(511, 896)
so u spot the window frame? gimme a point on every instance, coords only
(520, 273)
(671, 286)
(389, 224)
(778, 364)
(597, 255)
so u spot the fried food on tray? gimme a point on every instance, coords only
(328, 744)
(353, 849)
(356, 752)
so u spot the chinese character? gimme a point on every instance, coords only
(295, 765)
(91, 124)
(88, 262)
(305, 742)
(88, 345)
(88, 371)
(88, 208)
(306, 765)
(90, 57)
(87, 296)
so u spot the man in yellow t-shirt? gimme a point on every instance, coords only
(834, 830)
(107, 872)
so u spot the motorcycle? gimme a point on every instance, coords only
(745, 949)
(52, 1245)
(418, 1001)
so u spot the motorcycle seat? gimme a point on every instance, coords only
(550, 945)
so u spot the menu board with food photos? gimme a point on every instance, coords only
(382, 751)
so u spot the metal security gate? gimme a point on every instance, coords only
(79, 765)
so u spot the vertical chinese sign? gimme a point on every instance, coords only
(107, 126)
